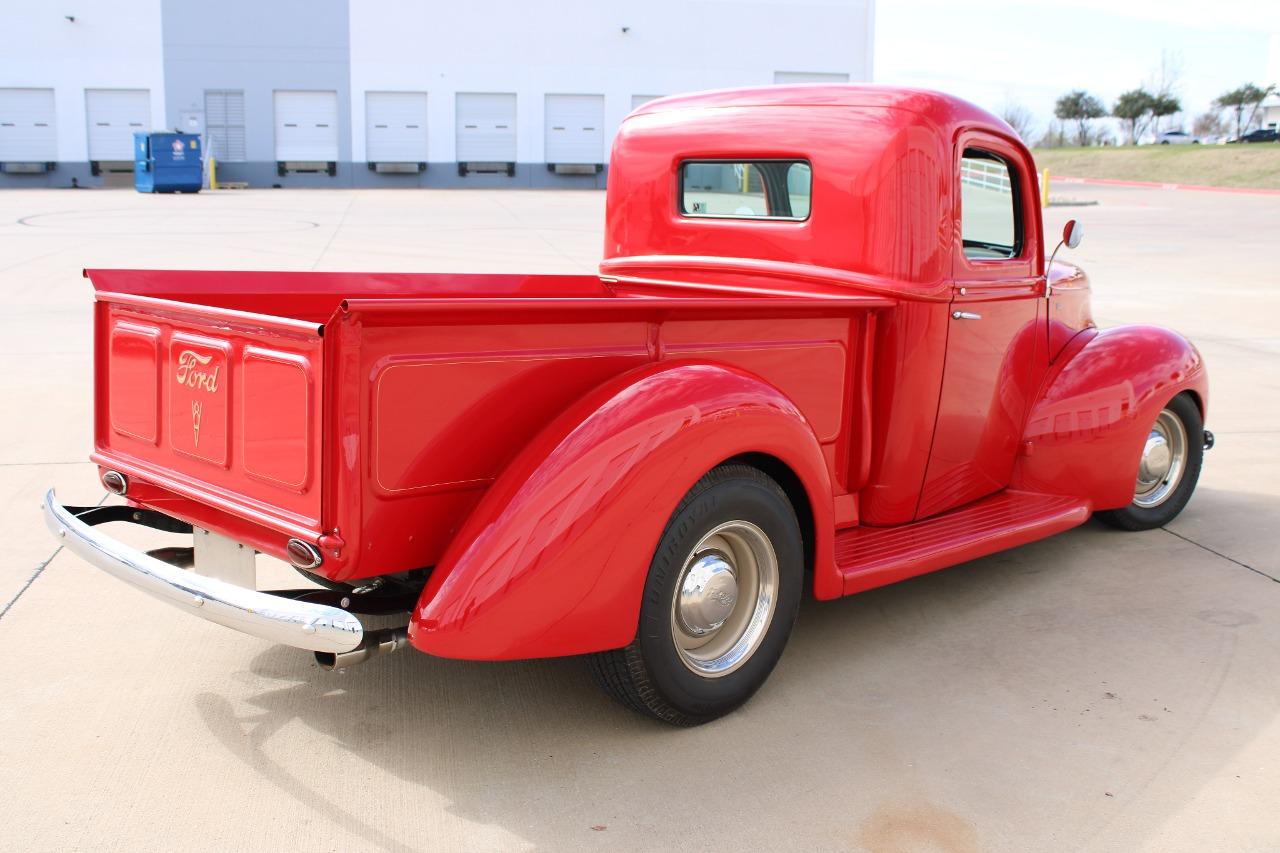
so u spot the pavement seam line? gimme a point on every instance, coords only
(341, 221)
(1222, 555)
(39, 571)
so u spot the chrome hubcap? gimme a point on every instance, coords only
(1163, 459)
(725, 598)
(1155, 459)
(708, 594)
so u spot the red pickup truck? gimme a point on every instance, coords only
(824, 351)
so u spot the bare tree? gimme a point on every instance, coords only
(1167, 79)
(1164, 83)
(1209, 123)
(1020, 119)
(1054, 136)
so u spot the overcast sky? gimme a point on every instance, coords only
(995, 52)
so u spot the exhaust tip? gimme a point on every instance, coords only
(375, 644)
(115, 482)
(303, 555)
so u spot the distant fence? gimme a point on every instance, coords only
(985, 174)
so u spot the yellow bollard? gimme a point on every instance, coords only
(1044, 189)
(213, 173)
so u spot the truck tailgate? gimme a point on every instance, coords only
(221, 406)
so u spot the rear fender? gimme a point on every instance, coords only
(1085, 434)
(553, 559)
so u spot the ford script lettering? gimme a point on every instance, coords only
(189, 371)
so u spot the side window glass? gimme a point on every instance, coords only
(989, 215)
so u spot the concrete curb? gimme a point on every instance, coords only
(1164, 186)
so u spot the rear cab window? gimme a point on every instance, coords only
(990, 207)
(746, 189)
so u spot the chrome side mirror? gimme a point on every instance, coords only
(1072, 233)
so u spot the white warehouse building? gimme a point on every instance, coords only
(341, 93)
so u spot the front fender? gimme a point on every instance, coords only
(1085, 434)
(553, 559)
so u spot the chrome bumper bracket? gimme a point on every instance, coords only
(289, 621)
(100, 514)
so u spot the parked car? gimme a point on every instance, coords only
(1262, 134)
(803, 364)
(1176, 137)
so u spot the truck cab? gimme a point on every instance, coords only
(914, 195)
(823, 350)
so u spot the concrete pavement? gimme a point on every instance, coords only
(1095, 691)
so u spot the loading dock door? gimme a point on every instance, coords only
(486, 125)
(395, 127)
(114, 116)
(26, 126)
(575, 129)
(306, 127)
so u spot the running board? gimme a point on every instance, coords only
(868, 557)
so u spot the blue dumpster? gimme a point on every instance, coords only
(167, 163)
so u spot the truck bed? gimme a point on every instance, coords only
(367, 413)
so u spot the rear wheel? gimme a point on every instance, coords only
(719, 602)
(1168, 470)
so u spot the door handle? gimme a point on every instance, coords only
(965, 315)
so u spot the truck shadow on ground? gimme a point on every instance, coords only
(1060, 646)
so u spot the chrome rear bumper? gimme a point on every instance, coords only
(302, 624)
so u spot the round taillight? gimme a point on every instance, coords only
(116, 483)
(303, 555)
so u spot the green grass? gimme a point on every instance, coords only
(1256, 165)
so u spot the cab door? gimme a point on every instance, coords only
(994, 354)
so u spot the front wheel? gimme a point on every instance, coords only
(1168, 470)
(719, 602)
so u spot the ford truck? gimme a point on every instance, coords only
(824, 352)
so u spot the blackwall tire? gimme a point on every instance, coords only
(1157, 501)
(719, 602)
